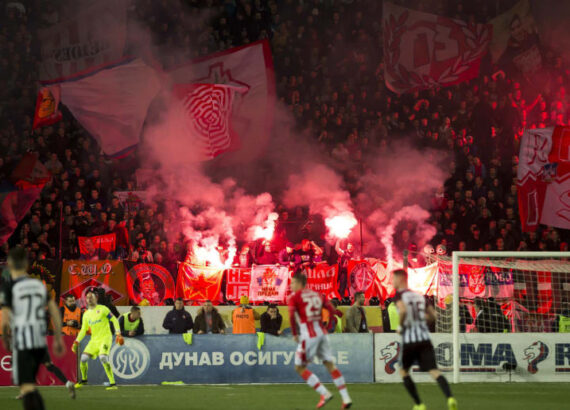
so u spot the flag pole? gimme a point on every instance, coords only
(361, 240)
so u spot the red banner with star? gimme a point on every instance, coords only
(198, 283)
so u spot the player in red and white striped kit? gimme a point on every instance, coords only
(305, 309)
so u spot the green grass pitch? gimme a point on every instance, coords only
(471, 396)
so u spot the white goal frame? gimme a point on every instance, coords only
(456, 256)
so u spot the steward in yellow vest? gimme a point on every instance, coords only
(131, 323)
(563, 319)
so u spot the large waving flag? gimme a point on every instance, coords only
(90, 39)
(423, 50)
(227, 101)
(206, 115)
(19, 194)
(544, 178)
(112, 104)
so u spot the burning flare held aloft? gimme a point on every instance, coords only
(340, 226)
(266, 230)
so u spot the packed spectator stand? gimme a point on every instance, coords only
(329, 73)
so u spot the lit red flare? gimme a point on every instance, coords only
(340, 226)
(266, 231)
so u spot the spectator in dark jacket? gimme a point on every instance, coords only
(209, 320)
(271, 321)
(178, 320)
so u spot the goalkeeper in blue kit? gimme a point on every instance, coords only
(96, 318)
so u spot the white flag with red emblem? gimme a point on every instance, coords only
(544, 178)
(112, 104)
(423, 50)
(225, 102)
(206, 115)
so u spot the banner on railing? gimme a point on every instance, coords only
(148, 283)
(198, 283)
(237, 283)
(322, 278)
(217, 359)
(78, 276)
(477, 281)
(269, 283)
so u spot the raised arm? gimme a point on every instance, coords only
(337, 248)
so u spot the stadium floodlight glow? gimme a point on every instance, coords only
(529, 273)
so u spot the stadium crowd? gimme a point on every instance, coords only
(329, 72)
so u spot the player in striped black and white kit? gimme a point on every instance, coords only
(24, 327)
(416, 341)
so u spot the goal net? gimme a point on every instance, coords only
(499, 293)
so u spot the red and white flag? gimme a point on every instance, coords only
(269, 283)
(17, 196)
(228, 102)
(476, 281)
(237, 283)
(47, 107)
(322, 278)
(89, 40)
(544, 178)
(423, 50)
(206, 113)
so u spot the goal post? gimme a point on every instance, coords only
(534, 283)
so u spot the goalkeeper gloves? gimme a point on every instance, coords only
(75, 346)
(119, 340)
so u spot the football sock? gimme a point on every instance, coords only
(411, 388)
(57, 371)
(33, 401)
(83, 367)
(444, 386)
(340, 384)
(109, 371)
(315, 383)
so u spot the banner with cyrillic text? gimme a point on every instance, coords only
(235, 359)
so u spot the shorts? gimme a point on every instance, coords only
(100, 347)
(26, 363)
(421, 354)
(310, 348)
